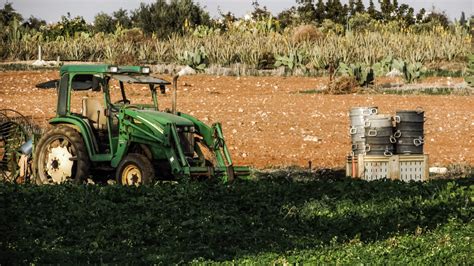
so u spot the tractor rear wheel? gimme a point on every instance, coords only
(135, 170)
(60, 156)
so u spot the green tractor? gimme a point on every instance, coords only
(136, 140)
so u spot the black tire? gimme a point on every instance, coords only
(70, 141)
(135, 169)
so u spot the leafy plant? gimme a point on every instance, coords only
(383, 67)
(410, 71)
(295, 59)
(323, 218)
(196, 59)
(469, 77)
(363, 74)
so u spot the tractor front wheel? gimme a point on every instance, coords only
(135, 170)
(60, 156)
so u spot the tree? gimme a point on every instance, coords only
(164, 18)
(260, 13)
(351, 10)
(336, 11)
(9, 14)
(306, 11)
(387, 9)
(287, 17)
(462, 20)
(104, 23)
(410, 16)
(359, 7)
(372, 11)
(420, 15)
(320, 11)
(438, 18)
(34, 23)
(121, 17)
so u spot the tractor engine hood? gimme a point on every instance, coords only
(157, 120)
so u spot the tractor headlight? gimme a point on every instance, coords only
(145, 70)
(113, 69)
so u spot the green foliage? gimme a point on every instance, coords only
(103, 22)
(9, 14)
(363, 74)
(469, 76)
(67, 28)
(203, 31)
(411, 71)
(329, 26)
(295, 59)
(274, 220)
(383, 67)
(167, 17)
(196, 59)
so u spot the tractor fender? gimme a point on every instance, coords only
(82, 127)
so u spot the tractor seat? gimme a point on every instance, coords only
(95, 112)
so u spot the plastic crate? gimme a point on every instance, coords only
(396, 167)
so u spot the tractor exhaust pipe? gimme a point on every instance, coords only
(174, 98)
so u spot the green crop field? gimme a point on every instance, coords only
(274, 220)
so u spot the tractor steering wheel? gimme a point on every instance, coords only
(124, 101)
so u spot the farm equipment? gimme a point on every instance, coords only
(137, 141)
(17, 133)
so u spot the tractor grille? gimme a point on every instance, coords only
(187, 143)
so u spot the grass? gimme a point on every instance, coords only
(282, 217)
(427, 91)
(23, 67)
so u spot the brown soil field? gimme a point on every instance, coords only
(269, 123)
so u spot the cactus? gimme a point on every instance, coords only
(196, 59)
(295, 59)
(363, 74)
(469, 77)
(383, 67)
(410, 71)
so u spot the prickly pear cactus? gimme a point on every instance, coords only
(411, 71)
(469, 76)
(196, 59)
(363, 74)
(295, 59)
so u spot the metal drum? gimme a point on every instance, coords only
(409, 131)
(358, 117)
(379, 135)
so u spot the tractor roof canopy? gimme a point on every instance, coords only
(140, 79)
(103, 69)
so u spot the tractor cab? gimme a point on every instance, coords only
(108, 117)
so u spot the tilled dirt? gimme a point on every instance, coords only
(268, 121)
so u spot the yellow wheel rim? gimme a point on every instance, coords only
(131, 175)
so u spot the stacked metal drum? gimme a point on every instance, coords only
(379, 135)
(358, 116)
(374, 134)
(409, 131)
